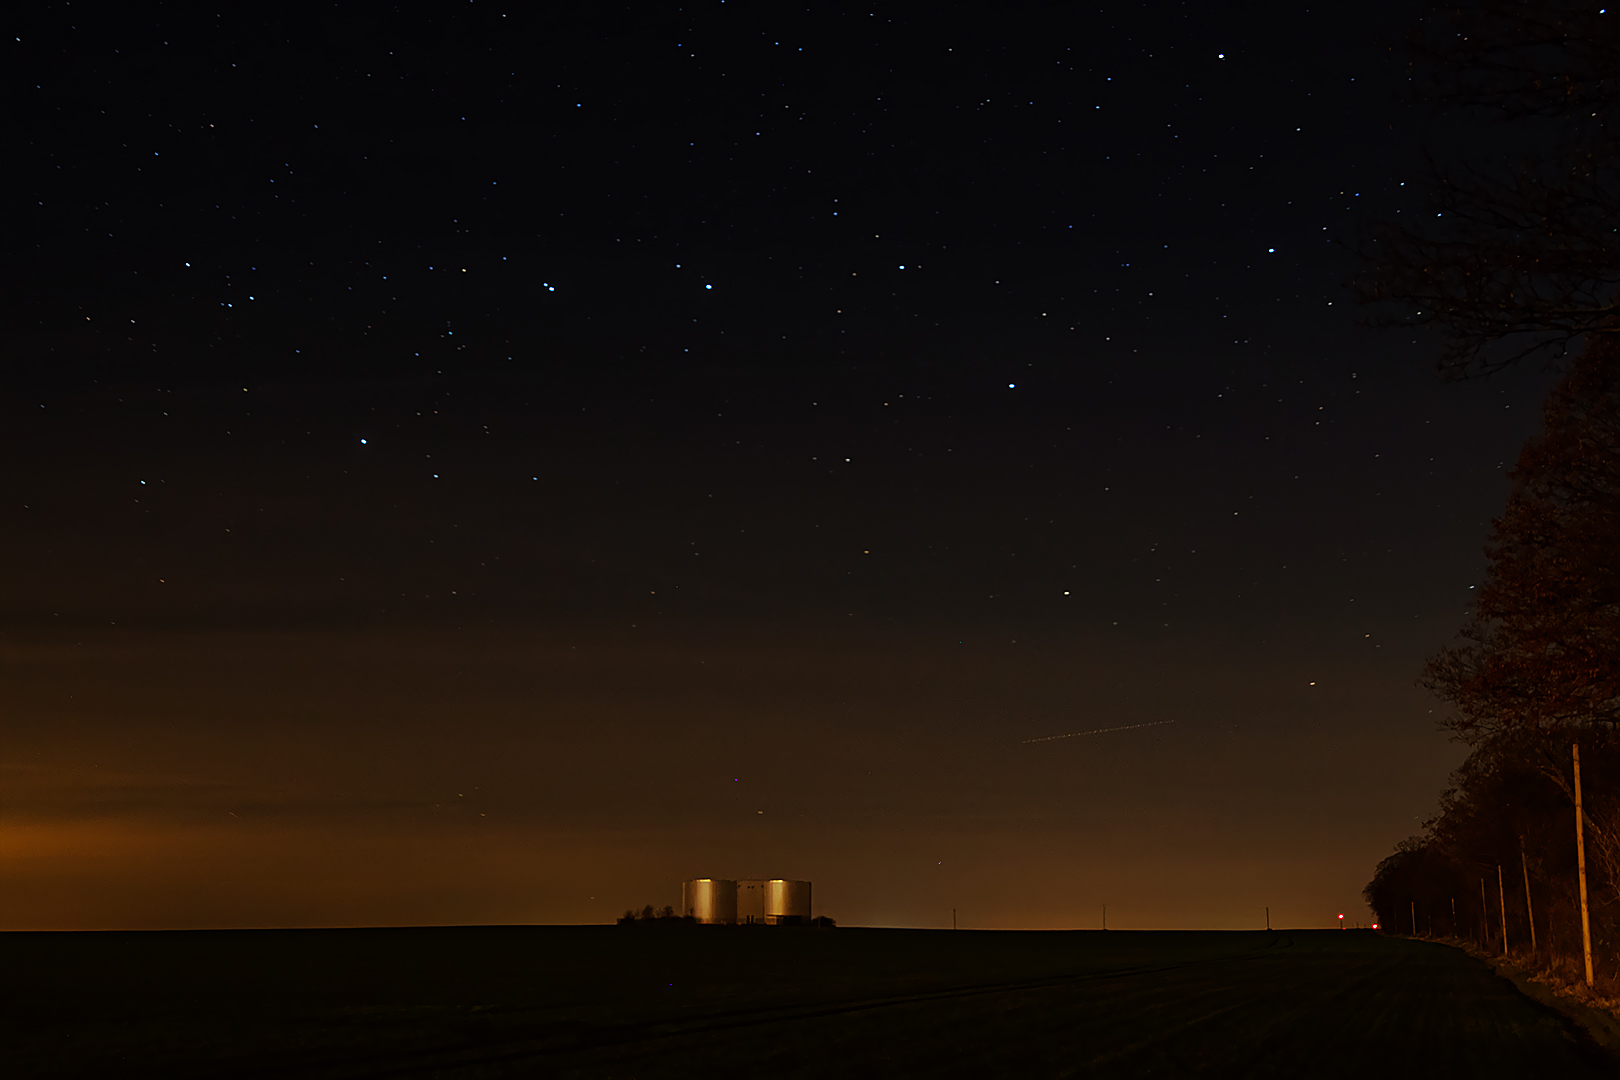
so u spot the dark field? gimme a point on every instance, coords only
(660, 1002)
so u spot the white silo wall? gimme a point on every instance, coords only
(751, 900)
(787, 901)
(710, 900)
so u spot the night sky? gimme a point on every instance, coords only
(489, 467)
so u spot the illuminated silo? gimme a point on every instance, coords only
(787, 901)
(710, 900)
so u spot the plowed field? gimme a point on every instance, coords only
(671, 1002)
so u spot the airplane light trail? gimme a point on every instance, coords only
(1099, 731)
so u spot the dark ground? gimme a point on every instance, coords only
(655, 1002)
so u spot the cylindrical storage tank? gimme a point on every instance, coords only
(709, 900)
(787, 901)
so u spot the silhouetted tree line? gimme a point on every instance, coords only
(665, 916)
(1536, 670)
(1518, 254)
(651, 915)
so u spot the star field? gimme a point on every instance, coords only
(591, 408)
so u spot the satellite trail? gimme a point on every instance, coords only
(1098, 731)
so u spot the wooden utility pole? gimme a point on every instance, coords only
(1413, 904)
(1529, 912)
(1268, 918)
(1501, 907)
(1484, 918)
(1105, 916)
(1580, 863)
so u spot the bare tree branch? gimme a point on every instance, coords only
(1518, 254)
